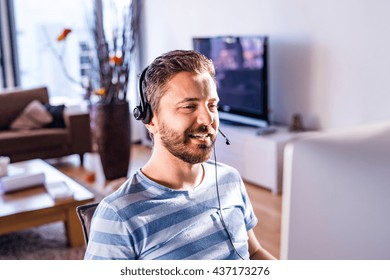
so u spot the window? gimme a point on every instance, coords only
(8, 56)
(38, 24)
(62, 66)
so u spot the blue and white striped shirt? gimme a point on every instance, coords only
(145, 220)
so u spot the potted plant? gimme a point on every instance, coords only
(110, 65)
(109, 82)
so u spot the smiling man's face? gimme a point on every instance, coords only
(188, 116)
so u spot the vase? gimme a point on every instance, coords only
(113, 138)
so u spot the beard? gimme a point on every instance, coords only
(181, 146)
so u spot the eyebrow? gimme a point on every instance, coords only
(193, 99)
(186, 100)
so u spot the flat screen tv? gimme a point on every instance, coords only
(241, 74)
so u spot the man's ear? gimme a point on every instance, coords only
(152, 125)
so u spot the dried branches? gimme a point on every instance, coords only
(114, 57)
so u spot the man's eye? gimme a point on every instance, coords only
(213, 107)
(189, 107)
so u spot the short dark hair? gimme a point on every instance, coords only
(164, 67)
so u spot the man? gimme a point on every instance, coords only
(179, 205)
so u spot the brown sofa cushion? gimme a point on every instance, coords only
(13, 101)
(12, 142)
(33, 116)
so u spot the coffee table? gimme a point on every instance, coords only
(34, 207)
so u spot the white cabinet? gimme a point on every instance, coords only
(259, 158)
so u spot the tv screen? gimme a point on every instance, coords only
(241, 74)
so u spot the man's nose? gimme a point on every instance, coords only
(205, 117)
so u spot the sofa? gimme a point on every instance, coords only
(336, 195)
(58, 133)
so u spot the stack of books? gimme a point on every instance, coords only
(17, 180)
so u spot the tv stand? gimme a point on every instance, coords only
(236, 123)
(266, 130)
(258, 158)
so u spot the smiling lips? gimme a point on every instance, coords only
(200, 136)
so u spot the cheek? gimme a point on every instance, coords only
(175, 125)
(182, 127)
(178, 122)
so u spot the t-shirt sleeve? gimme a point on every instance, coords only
(249, 215)
(109, 237)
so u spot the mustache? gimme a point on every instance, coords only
(202, 129)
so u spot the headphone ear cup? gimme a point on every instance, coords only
(147, 114)
(137, 113)
(142, 112)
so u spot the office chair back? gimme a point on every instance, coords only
(85, 214)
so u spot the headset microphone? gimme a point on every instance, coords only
(224, 136)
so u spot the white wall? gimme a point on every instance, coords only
(329, 60)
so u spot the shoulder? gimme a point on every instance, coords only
(221, 166)
(224, 171)
(122, 198)
(135, 187)
(131, 195)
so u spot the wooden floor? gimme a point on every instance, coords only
(267, 206)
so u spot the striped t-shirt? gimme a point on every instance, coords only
(145, 220)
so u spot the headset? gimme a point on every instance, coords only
(143, 112)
